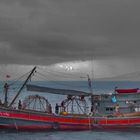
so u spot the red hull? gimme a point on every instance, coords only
(33, 121)
(21, 120)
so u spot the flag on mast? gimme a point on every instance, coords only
(89, 82)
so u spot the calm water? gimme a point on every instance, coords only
(84, 135)
(98, 87)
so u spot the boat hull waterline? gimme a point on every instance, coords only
(20, 120)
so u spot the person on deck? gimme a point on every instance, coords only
(1, 103)
(50, 109)
(62, 106)
(19, 105)
(117, 108)
(117, 111)
(56, 108)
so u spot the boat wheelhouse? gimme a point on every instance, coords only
(128, 101)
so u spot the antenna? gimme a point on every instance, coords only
(90, 81)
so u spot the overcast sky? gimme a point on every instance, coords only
(68, 34)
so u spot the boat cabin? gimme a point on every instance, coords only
(126, 100)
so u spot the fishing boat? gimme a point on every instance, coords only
(78, 111)
(35, 112)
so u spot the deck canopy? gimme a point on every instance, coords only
(36, 88)
(123, 91)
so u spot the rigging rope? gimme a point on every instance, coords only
(17, 79)
(63, 74)
(45, 77)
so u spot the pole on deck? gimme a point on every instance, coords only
(6, 94)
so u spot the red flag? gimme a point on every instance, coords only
(8, 76)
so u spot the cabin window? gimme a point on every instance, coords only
(109, 109)
(137, 109)
(131, 102)
(106, 96)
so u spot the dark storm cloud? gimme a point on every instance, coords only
(51, 31)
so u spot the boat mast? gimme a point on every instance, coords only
(91, 85)
(5, 92)
(90, 80)
(33, 70)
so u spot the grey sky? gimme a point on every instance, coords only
(45, 32)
